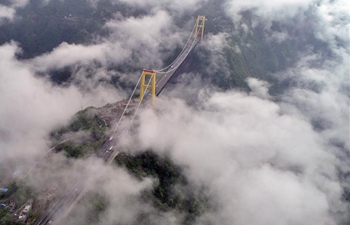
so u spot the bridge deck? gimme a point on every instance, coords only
(167, 76)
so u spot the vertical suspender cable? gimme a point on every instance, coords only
(180, 52)
(127, 105)
(137, 108)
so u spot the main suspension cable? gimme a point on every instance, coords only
(193, 42)
(175, 67)
(137, 108)
(183, 49)
(127, 105)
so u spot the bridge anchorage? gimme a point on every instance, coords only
(154, 86)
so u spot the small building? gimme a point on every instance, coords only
(26, 209)
(17, 173)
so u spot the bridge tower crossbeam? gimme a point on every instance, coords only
(145, 86)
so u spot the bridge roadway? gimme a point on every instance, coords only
(73, 194)
(66, 202)
(62, 203)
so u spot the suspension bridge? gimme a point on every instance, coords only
(151, 83)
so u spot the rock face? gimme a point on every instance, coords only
(91, 127)
(110, 113)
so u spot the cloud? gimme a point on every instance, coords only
(266, 8)
(255, 159)
(104, 186)
(19, 3)
(259, 88)
(32, 106)
(132, 41)
(178, 7)
(147, 36)
(334, 23)
(261, 194)
(321, 98)
(6, 13)
(216, 44)
(327, 20)
(71, 54)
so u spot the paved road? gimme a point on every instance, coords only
(62, 203)
(74, 192)
(65, 203)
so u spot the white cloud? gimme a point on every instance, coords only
(216, 44)
(115, 185)
(151, 37)
(31, 106)
(334, 22)
(71, 54)
(6, 13)
(141, 42)
(255, 159)
(179, 6)
(329, 19)
(259, 88)
(261, 194)
(267, 8)
(326, 106)
(19, 3)
(262, 158)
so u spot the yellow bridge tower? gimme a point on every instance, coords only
(199, 26)
(145, 86)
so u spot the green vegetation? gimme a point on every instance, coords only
(19, 193)
(87, 120)
(72, 150)
(93, 128)
(7, 220)
(93, 204)
(32, 215)
(99, 204)
(172, 191)
(3, 213)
